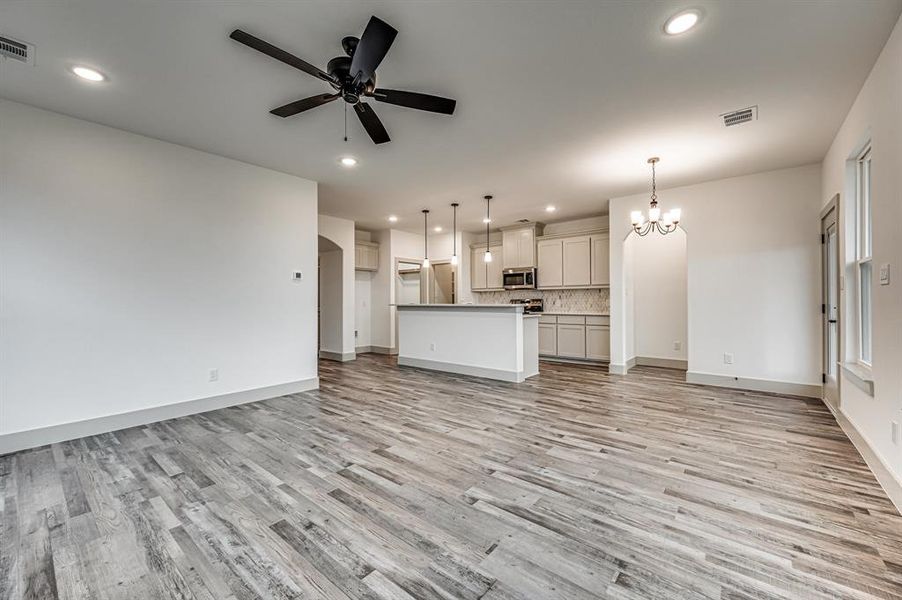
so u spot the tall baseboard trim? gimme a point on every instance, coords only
(434, 365)
(338, 356)
(884, 475)
(664, 363)
(33, 438)
(622, 369)
(374, 350)
(756, 385)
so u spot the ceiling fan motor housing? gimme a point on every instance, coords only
(340, 68)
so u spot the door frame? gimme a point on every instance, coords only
(830, 390)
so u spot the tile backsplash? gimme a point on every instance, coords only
(595, 301)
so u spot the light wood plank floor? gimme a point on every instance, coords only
(397, 483)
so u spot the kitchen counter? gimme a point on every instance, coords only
(496, 341)
(576, 313)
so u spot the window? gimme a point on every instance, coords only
(863, 253)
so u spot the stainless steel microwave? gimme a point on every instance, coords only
(519, 279)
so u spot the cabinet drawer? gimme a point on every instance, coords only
(547, 319)
(598, 320)
(571, 319)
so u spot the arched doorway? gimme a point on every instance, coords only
(330, 320)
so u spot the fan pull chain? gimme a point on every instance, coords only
(346, 121)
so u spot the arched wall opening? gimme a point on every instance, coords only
(330, 322)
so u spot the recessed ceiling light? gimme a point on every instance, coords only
(486, 220)
(438, 229)
(681, 22)
(392, 219)
(550, 208)
(88, 73)
(348, 161)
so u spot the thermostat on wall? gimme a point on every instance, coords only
(297, 276)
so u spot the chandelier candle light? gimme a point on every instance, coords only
(487, 257)
(425, 238)
(454, 206)
(662, 224)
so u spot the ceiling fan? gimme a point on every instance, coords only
(353, 77)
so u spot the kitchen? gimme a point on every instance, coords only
(555, 276)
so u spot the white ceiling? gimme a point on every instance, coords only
(558, 102)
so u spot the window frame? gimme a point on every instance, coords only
(864, 255)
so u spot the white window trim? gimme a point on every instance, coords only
(863, 255)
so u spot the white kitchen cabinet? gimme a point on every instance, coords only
(518, 247)
(550, 270)
(601, 251)
(571, 341)
(577, 262)
(493, 277)
(547, 339)
(598, 342)
(485, 276)
(477, 269)
(366, 256)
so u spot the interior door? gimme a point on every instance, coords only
(830, 305)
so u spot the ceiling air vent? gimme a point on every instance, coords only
(738, 117)
(10, 48)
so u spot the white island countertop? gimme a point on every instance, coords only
(496, 341)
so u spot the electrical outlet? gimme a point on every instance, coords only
(884, 274)
(728, 358)
(214, 374)
(677, 345)
(895, 430)
(432, 347)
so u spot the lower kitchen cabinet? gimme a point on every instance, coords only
(571, 341)
(547, 339)
(575, 337)
(598, 342)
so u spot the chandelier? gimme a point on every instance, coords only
(662, 224)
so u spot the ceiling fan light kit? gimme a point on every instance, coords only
(353, 77)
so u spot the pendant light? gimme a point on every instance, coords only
(454, 206)
(488, 253)
(425, 238)
(663, 224)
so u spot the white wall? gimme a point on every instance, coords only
(659, 287)
(341, 233)
(875, 115)
(331, 293)
(130, 267)
(753, 286)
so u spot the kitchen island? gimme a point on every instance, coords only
(496, 341)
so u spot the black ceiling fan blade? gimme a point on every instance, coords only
(279, 54)
(299, 106)
(371, 123)
(377, 38)
(416, 100)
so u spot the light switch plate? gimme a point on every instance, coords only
(884, 274)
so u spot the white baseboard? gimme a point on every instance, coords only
(887, 479)
(434, 365)
(374, 350)
(32, 438)
(758, 385)
(664, 363)
(621, 369)
(337, 356)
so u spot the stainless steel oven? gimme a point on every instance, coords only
(519, 279)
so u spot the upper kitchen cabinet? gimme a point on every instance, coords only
(573, 261)
(601, 252)
(519, 245)
(366, 256)
(577, 261)
(485, 276)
